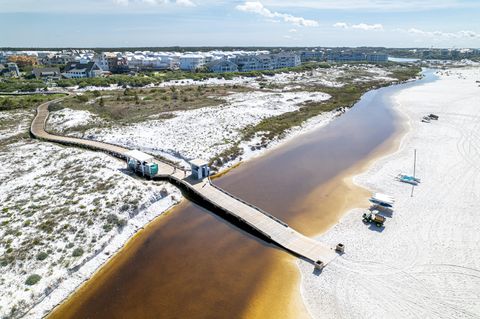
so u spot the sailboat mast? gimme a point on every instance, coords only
(414, 161)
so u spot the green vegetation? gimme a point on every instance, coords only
(135, 105)
(341, 97)
(21, 85)
(42, 255)
(113, 220)
(77, 252)
(146, 78)
(16, 102)
(33, 279)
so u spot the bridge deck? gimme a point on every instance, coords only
(279, 232)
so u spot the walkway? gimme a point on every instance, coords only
(266, 224)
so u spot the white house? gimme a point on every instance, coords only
(286, 60)
(220, 66)
(247, 63)
(77, 70)
(191, 62)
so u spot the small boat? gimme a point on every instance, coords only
(408, 179)
(433, 117)
(426, 119)
(382, 200)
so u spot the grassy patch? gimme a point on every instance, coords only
(136, 105)
(12, 102)
(22, 85)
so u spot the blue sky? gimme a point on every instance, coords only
(110, 23)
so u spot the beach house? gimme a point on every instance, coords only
(47, 74)
(76, 70)
(286, 60)
(191, 62)
(223, 65)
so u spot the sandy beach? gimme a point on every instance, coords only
(424, 263)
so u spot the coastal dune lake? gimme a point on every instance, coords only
(190, 263)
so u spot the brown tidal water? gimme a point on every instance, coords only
(191, 263)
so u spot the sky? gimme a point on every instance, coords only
(130, 23)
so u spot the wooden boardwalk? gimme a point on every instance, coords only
(269, 226)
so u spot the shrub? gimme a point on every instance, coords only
(82, 98)
(77, 252)
(33, 279)
(42, 255)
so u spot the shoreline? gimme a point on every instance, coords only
(372, 255)
(290, 266)
(98, 262)
(349, 180)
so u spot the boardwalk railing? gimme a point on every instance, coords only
(247, 203)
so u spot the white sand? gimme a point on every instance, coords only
(66, 118)
(202, 133)
(426, 262)
(43, 182)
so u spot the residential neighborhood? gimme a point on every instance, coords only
(74, 64)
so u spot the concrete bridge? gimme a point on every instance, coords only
(263, 223)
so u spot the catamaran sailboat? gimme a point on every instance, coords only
(382, 200)
(408, 179)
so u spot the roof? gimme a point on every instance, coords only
(81, 66)
(139, 156)
(45, 71)
(198, 162)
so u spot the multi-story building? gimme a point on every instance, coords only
(221, 66)
(311, 56)
(191, 62)
(377, 57)
(286, 60)
(76, 70)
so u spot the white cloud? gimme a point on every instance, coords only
(374, 5)
(360, 26)
(258, 8)
(364, 26)
(433, 34)
(185, 3)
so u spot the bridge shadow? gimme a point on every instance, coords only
(196, 198)
(192, 195)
